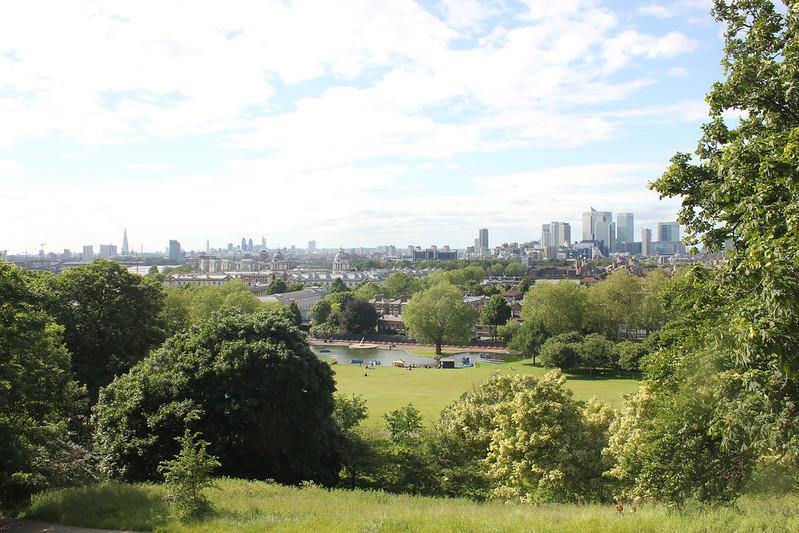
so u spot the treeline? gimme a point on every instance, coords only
(620, 308)
(610, 325)
(65, 337)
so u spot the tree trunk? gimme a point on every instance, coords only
(438, 347)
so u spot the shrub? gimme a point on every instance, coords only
(188, 474)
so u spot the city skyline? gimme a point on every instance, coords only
(443, 116)
(554, 234)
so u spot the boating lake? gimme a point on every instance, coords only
(345, 355)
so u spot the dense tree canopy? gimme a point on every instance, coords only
(111, 319)
(399, 284)
(561, 351)
(359, 317)
(321, 311)
(535, 441)
(528, 339)
(439, 314)
(185, 306)
(264, 401)
(495, 312)
(37, 394)
(724, 392)
(560, 307)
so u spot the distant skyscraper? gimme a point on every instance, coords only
(561, 234)
(88, 253)
(107, 251)
(207, 245)
(175, 253)
(668, 232)
(591, 219)
(588, 225)
(243, 244)
(625, 227)
(311, 246)
(263, 242)
(546, 235)
(646, 242)
(483, 238)
(605, 231)
(125, 249)
(250, 245)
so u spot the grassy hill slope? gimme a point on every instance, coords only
(247, 506)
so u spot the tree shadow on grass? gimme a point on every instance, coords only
(586, 375)
(105, 506)
(579, 376)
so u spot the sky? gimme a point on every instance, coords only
(353, 123)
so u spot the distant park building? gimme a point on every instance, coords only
(340, 262)
(305, 299)
(279, 263)
(434, 254)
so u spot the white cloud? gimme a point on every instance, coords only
(334, 101)
(656, 10)
(469, 14)
(685, 110)
(678, 72)
(9, 167)
(620, 49)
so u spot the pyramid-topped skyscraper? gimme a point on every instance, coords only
(125, 250)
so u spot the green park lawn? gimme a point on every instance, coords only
(250, 506)
(430, 390)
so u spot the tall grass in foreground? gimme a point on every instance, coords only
(257, 506)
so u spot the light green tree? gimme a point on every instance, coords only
(515, 269)
(528, 339)
(615, 302)
(724, 390)
(399, 284)
(188, 474)
(439, 314)
(560, 307)
(545, 447)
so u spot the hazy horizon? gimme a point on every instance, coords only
(352, 124)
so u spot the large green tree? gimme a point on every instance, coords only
(614, 303)
(495, 312)
(528, 339)
(185, 306)
(439, 314)
(533, 440)
(400, 284)
(320, 312)
(359, 317)
(38, 395)
(724, 391)
(111, 319)
(560, 307)
(265, 403)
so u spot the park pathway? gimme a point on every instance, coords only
(10, 525)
